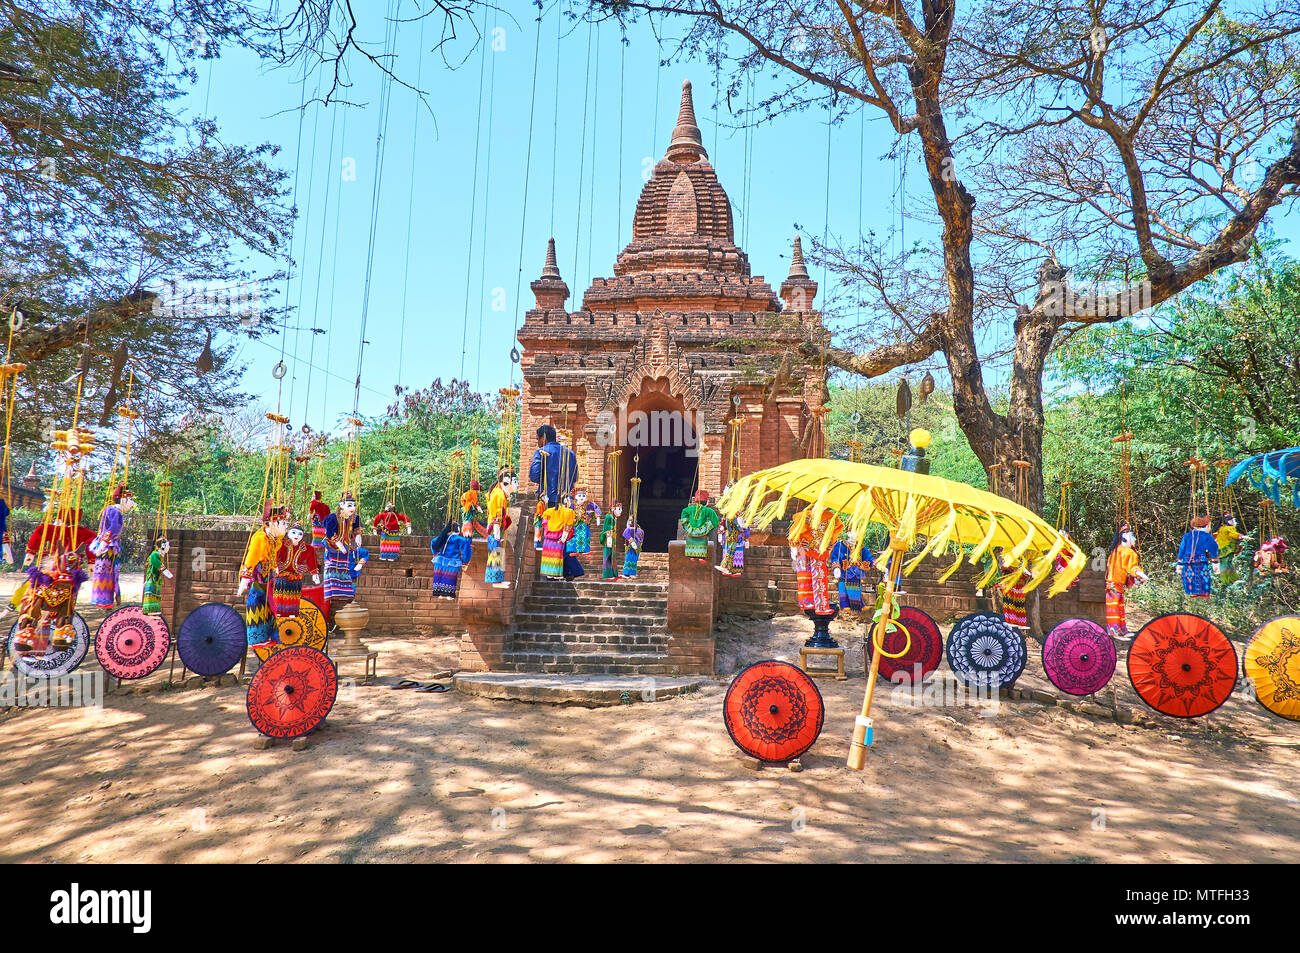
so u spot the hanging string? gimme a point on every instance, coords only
(288, 275)
(473, 195)
(306, 237)
(528, 168)
(582, 159)
(595, 131)
(334, 274)
(320, 264)
(410, 208)
(381, 137)
(555, 123)
(618, 215)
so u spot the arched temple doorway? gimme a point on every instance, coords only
(657, 428)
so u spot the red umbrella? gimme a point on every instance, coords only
(1182, 665)
(925, 650)
(773, 711)
(292, 692)
(130, 644)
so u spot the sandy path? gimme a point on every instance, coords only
(172, 776)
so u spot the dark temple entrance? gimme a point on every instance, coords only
(667, 476)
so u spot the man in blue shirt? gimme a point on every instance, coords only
(561, 466)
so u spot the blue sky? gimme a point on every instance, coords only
(457, 314)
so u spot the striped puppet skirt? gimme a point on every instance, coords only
(629, 563)
(697, 547)
(151, 596)
(317, 535)
(258, 619)
(1013, 606)
(286, 595)
(1116, 626)
(390, 546)
(851, 589)
(104, 591)
(552, 556)
(446, 576)
(803, 583)
(495, 574)
(338, 576)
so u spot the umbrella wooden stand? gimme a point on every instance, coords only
(862, 724)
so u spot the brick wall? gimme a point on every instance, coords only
(693, 603)
(768, 588)
(398, 594)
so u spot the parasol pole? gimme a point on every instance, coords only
(862, 724)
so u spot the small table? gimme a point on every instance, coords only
(370, 658)
(836, 653)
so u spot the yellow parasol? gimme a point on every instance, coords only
(1272, 663)
(912, 506)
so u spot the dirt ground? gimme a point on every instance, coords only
(171, 776)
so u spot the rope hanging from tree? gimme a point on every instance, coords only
(9, 372)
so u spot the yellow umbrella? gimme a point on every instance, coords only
(1272, 662)
(912, 506)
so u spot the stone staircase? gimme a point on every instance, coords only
(592, 626)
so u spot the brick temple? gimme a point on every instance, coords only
(682, 326)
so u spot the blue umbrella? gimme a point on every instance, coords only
(212, 639)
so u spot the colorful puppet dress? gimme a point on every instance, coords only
(634, 537)
(608, 541)
(1197, 553)
(448, 561)
(389, 526)
(320, 511)
(471, 513)
(151, 594)
(557, 522)
(850, 576)
(734, 538)
(8, 551)
(104, 589)
(340, 583)
(1014, 599)
(699, 522)
(48, 602)
(1121, 568)
(498, 523)
(539, 525)
(258, 568)
(293, 561)
(803, 596)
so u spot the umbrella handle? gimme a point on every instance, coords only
(877, 643)
(857, 759)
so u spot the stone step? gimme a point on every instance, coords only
(581, 607)
(610, 641)
(532, 647)
(550, 624)
(600, 590)
(589, 663)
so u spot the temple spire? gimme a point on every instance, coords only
(550, 290)
(797, 267)
(552, 268)
(686, 144)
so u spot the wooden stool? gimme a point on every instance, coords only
(837, 653)
(370, 659)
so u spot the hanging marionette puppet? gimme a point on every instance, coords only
(344, 555)
(155, 571)
(1122, 573)
(1231, 541)
(1198, 558)
(390, 525)
(557, 529)
(609, 542)
(471, 513)
(319, 511)
(7, 551)
(294, 559)
(848, 573)
(498, 523)
(257, 577)
(1012, 576)
(105, 592)
(586, 513)
(733, 539)
(634, 539)
(812, 540)
(699, 522)
(1269, 558)
(49, 600)
(452, 552)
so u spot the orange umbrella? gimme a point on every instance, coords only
(773, 711)
(1272, 663)
(1182, 665)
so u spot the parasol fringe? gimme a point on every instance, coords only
(983, 546)
(956, 564)
(1019, 549)
(1068, 574)
(936, 543)
(1043, 566)
(987, 578)
(819, 506)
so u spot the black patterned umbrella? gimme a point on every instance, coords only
(986, 652)
(212, 639)
(51, 663)
(773, 711)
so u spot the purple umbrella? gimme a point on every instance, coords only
(212, 639)
(1078, 656)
